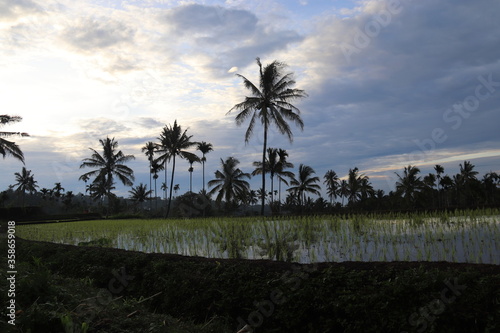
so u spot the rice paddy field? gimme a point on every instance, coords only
(469, 236)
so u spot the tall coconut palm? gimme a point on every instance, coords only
(9, 147)
(332, 184)
(175, 143)
(108, 165)
(357, 186)
(272, 166)
(25, 182)
(281, 172)
(439, 171)
(409, 184)
(344, 190)
(164, 158)
(149, 150)
(155, 168)
(446, 184)
(230, 183)
(366, 188)
(304, 183)
(467, 181)
(192, 159)
(270, 102)
(491, 183)
(205, 148)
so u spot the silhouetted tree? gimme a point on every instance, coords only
(270, 102)
(9, 147)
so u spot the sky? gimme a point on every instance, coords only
(390, 82)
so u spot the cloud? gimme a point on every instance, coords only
(212, 24)
(381, 80)
(388, 95)
(224, 38)
(91, 34)
(148, 122)
(11, 10)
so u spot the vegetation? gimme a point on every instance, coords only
(8, 147)
(108, 165)
(230, 184)
(60, 286)
(174, 143)
(467, 236)
(270, 102)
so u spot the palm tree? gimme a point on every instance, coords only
(252, 197)
(491, 182)
(108, 165)
(343, 190)
(467, 180)
(366, 188)
(9, 147)
(205, 148)
(281, 172)
(446, 184)
(149, 150)
(428, 184)
(175, 144)
(155, 168)
(164, 157)
(229, 183)
(192, 159)
(98, 189)
(332, 184)
(274, 165)
(140, 193)
(270, 102)
(356, 186)
(25, 182)
(164, 188)
(409, 184)
(439, 171)
(57, 190)
(304, 183)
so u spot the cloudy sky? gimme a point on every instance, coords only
(390, 83)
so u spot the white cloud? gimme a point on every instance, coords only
(78, 71)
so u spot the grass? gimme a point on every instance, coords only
(466, 236)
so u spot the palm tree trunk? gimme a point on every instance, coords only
(165, 192)
(156, 196)
(150, 184)
(263, 168)
(272, 192)
(279, 194)
(171, 185)
(203, 175)
(190, 181)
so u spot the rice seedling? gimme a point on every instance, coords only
(462, 237)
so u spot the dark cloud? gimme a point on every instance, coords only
(148, 122)
(229, 37)
(100, 128)
(91, 34)
(212, 24)
(388, 96)
(10, 10)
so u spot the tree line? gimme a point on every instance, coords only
(270, 104)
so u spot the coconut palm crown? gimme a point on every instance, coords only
(108, 165)
(270, 102)
(175, 142)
